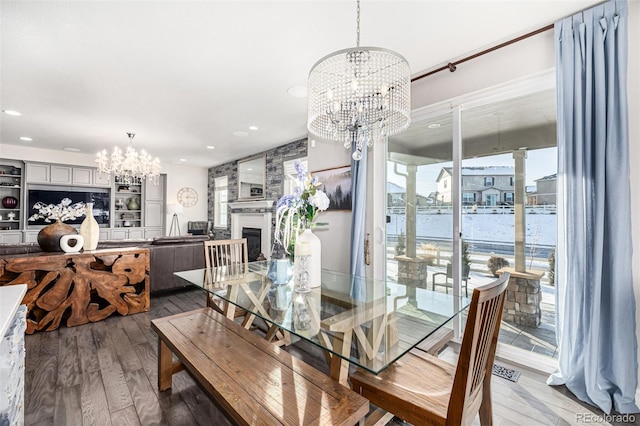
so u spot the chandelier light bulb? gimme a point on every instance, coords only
(132, 167)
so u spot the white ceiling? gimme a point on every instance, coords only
(184, 75)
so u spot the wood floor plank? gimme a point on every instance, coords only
(49, 343)
(126, 353)
(87, 350)
(118, 396)
(95, 409)
(101, 337)
(126, 417)
(134, 333)
(144, 399)
(68, 361)
(40, 390)
(149, 360)
(68, 409)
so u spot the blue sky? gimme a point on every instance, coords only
(539, 163)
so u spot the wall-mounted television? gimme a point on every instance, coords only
(100, 197)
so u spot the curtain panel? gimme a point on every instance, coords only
(595, 303)
(358, 218)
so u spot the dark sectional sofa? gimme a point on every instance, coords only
(168, 255)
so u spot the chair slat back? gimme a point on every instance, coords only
(478, 349)
(228, 257)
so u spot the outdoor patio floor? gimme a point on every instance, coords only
(540, 340)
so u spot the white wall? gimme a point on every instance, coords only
(178, 176)
(634, 151)
(336, 236)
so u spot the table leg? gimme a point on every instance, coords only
(339, 368)
(165, 367)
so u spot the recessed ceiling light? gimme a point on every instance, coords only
(71, 149)
(183, 159)
(211, 147)
(25, 138)
(10, 112)
(298, 91)
(253, 127)
(433, 126)
(240, 133)
(249, 170)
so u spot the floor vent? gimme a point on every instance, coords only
(506, 373)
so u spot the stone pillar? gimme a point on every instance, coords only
(412, 271)
(519, 210)
(522, 301)
(410, 209)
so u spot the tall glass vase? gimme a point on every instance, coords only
(314, 259)
(90, 230)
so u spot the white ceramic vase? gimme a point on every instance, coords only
(314, 261)
(90, 230)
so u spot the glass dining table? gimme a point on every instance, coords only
(360, 321)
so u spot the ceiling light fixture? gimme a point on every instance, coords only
(253, 127)
(358, 95)
(211, 147)
(130, 167)
(25, 138)
(433, 126)
(10, 112)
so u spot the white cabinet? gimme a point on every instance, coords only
(101, 179)
(154, 192)
(153, 213)
(38, 173)
(30, 236)
(81, 176)
(104, 234)
(10, 237)
(127, 233)
(60, 174)
(153, 232)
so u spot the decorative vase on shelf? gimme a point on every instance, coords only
(49, 236)
(90, 230)
(9, 202)
(133, 204)
(313, 260)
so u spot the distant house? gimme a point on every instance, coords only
(545, 192)
(482, 186)
(396, 196)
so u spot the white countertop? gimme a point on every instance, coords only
(10, 298)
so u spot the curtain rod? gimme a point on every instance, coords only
(451, 66)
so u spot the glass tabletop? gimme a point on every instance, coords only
(367, 322)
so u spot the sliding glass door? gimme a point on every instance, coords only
(471, 190)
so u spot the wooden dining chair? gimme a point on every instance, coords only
(225, 259)
(423, 389)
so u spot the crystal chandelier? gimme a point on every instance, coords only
(132, 167)
(359, 95)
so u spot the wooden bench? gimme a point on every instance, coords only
(252, 381)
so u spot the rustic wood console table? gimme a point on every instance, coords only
(79, 288)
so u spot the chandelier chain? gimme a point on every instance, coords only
(358, 24)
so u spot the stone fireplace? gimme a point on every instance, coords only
(260, 220)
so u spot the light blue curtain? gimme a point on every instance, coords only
(358, 216)
(595, 302)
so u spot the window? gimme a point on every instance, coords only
(445, 183)
(508, 197)
(488, 181)
(220, 202)
(468, 197)
(290, 175)
(511, 181)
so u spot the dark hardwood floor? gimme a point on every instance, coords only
(105, 374)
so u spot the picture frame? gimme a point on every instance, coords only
(336, 183)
